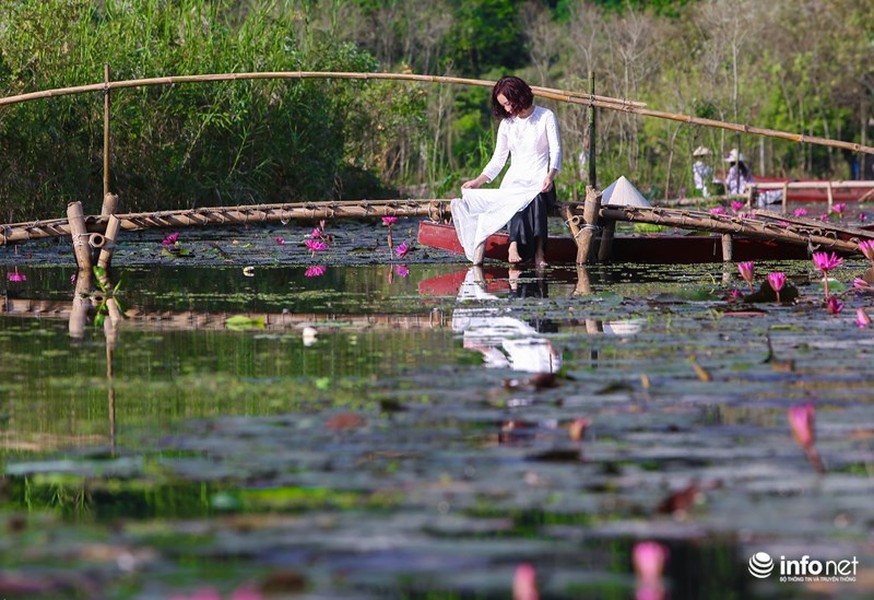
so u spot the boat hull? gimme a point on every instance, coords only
(645, 248)
(818, 192)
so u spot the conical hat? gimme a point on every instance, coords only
(622, 193)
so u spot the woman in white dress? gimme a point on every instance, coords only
(529, 136)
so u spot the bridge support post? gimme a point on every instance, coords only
(591, 213)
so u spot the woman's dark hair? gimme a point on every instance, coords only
(516, 91)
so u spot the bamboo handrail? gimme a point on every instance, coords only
(229, 215)
(552, 93)
(811, 184)
(794, 233)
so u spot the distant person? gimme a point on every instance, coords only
(529, 136)
(739, 175)
(702, 171)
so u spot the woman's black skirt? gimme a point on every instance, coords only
(531, 223)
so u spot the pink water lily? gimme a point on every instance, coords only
(802, 424)
(834, 305)
(862, 318)
(839, 208)
(747, 271)
(171, 239)
(777, 281)
(402, 270)
(866, 247)
(402, 249)
(737, 206)
(315, 246)
(279, 240)
(316, 233)
(717, 210)
(316, 271)
(825, 262)
(525, 583)
(800, 212)
(862, 285)
(802, 420)
(390, 220)
(15, 276)
(649, 559)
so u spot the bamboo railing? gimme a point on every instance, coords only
(762, 225)
(571, 97)
(226, 215)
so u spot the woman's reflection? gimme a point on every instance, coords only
(504, 341)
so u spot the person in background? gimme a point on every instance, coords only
(528, 135)
(702, 172)
(739, 175)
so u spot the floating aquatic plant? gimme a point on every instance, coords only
(315, 271)
(862, 318)
(402, 249)
(834, 305)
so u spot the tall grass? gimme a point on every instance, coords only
(179, 146)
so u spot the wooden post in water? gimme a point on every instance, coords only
(80, 235)
(605, 250)
(785, 197)
(591, 212)
(106, 105)
(831, 197)
(726, 247)
(593, 181)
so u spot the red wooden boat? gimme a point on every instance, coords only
(816, 190)
(642, 248)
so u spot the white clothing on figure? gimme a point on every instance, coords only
(702, 173)
(504, 341)
(736, 182)
(533, 145)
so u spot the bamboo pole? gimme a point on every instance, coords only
(552, 93)
(80, 235)
(231, 215)
(775, 230)
(106, 105)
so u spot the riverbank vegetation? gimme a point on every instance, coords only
(803, 67)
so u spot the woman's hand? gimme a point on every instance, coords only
(473, 183)
(547, 184)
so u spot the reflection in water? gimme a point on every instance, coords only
(504, 341)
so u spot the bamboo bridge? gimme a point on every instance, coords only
(95, 236)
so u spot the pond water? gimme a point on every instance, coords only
(411, 428)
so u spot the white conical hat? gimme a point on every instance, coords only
(622, 193)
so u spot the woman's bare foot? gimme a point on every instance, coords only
(513, 253)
